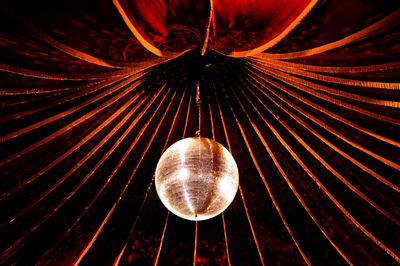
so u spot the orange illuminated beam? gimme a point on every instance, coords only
(333, 199)
(187, 116)
(349, 82)
(128, 18)
(161, 241)
(43, 90)
(326, 69)
(341, 119)
(329, 167)
(16, 243)
(60, 204)
(299, 198)
(293, 81)
(226, 241)
(65, 113)
(263, 177)
(79, 92)
(301, 163)
(166, 221)
(195, 245)
(240, 188)
(331, 130)
(117, 260)
(100, 228)
(36, 99)
(327, 112)
(61, 76)
(207, 35)
(326, 127)
(222, 215)
(82, 161)
(289, 80)
(323, 48)
(278, 38)
(283, 70)
(330, 196)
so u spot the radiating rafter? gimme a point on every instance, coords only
(80, 92)
(50, 90)
(117, 260)
(284, 175)
(71, 193)
(105, 156)
(276, 63)
(322, 161)
(127, 16)
(324, 110)
(84, 56)
(222, 214)
(367, 31)
(161, 240)
(256, 164)
(314, 132)
(100, 228)
(61, 76)
(326, 89)
(166, 220)
(240, 188)
(195, 245)
(121, 123)
(343, 137)
(326, 191)
(344, 81)
(309, 88)
(61, 157)
(88, 115)
(282, 35)
(209, 23)
(226, 240)
(89, 101)
(333, 199)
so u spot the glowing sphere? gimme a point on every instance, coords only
(196, 178)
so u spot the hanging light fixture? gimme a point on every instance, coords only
(196, 178)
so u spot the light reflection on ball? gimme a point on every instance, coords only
(196, 178)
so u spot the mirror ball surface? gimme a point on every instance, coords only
(196, 178)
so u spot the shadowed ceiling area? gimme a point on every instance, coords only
(305, 94)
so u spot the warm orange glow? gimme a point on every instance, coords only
(327, 142)
(278, 38)
(127, 16)
(351, 38)
(240, 189)
(207, 35)
(283, 71)
(270, 194)
(304, 94)
(100, 228)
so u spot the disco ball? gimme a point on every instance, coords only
(196, 178)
